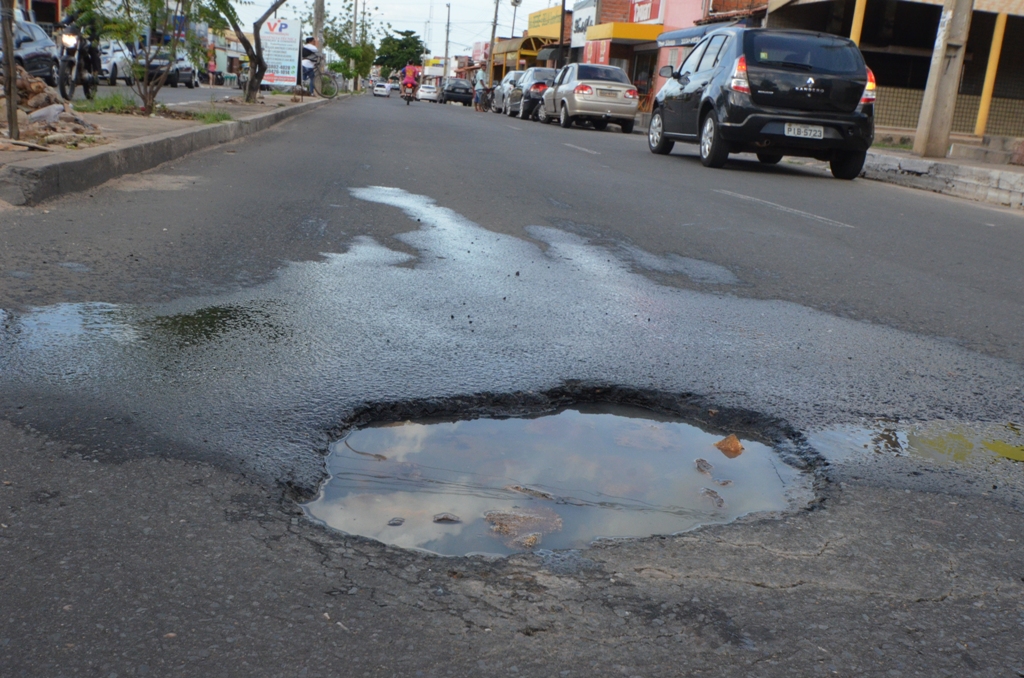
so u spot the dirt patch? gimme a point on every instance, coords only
(154, 182)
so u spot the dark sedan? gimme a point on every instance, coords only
(769, 92)
(34, 51)
(528, 92)
(459, 91)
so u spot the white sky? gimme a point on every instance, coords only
(471, 19)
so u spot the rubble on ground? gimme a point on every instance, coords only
(44, 117)
(523, 528)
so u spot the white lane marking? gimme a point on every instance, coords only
(783, 208)
(580, 148)
(514, 127)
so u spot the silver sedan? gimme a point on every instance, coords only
(591, 93)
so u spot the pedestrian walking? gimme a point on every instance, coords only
(478, 90)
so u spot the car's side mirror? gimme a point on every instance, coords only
(666, 72)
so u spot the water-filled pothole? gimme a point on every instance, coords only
(557, 481)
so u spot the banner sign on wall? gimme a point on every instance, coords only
(644, 10)
(584, 15)
(281, 39)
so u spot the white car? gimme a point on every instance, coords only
(382, 89)
(116, 61)
(428, 93)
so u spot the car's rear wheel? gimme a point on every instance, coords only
(626, 126)
(542, 114)
(564, 119)
(769, 158)
(656, 139)
(112, 81)
(508, 110)
(713, 151)
(847, 164)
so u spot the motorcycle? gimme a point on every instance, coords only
(79, 60)
(408, 93)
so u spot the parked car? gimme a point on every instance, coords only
(428, 93)
(770, 92)
(459, 91)
(117, 62)
(34, 50)
(181, 72)
(502, 89)
(591, 93)
(382, 89)
(527, 93)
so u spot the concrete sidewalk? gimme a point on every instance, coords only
(138, 143)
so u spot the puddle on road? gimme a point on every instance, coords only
(942, 441)
(557, 481)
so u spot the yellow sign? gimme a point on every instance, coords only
(544, 24)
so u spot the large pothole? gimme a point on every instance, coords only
(557, 480)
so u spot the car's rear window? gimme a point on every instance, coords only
(609, 73)
(812, 53)
(543, 73)
(458, 83)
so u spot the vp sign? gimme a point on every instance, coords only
(281, 39)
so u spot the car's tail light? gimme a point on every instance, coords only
(632, 94)
(870, 89)
(739, 82)
(538, 87)
(583, 89)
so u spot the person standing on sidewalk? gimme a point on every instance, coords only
(310, 53)
(478, 90)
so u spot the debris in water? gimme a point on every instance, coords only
(713, 496)
(730, 446)
(523, 489)
(704, 466)
(395, 522)
(523, 527)
(527, 541)
(371, 455)
(447, 518)
(722, 483)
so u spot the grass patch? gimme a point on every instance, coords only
(116, 102)
(210, 117)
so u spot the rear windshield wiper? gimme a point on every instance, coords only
(787, 64)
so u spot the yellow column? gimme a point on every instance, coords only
(858, 20)
(990, 75)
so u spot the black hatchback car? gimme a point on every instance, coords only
(34, 51)
(769, 92)
(528, 92)
(457, 90)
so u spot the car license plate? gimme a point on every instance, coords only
(805, 131)
(608, 93)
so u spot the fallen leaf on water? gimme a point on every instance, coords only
(730, 446)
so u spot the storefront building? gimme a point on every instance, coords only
(897, 38)
(625, 34)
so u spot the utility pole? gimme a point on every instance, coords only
(490, 51)
(515, 10)
(447, 32)
(561, 38)
(936, 120)
(10, 76)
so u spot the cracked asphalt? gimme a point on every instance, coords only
(178, 348)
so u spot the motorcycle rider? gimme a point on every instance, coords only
(410, 77)
(92, 25)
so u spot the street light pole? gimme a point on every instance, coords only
(561, 37)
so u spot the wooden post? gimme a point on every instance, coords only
(490, 53)
(936, 120)
(858, 20)
(990, 75)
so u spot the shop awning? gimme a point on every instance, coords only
(550, 52)
(687, 37)
(625, 33)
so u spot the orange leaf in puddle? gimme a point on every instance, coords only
(730, 446)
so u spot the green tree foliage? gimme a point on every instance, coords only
(399, 49)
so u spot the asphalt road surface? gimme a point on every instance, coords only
(178, 348)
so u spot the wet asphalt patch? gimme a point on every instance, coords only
(256, 379)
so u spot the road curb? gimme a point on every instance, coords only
(30, 182)
(994, 186)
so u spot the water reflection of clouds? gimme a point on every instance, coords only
(615, 477)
